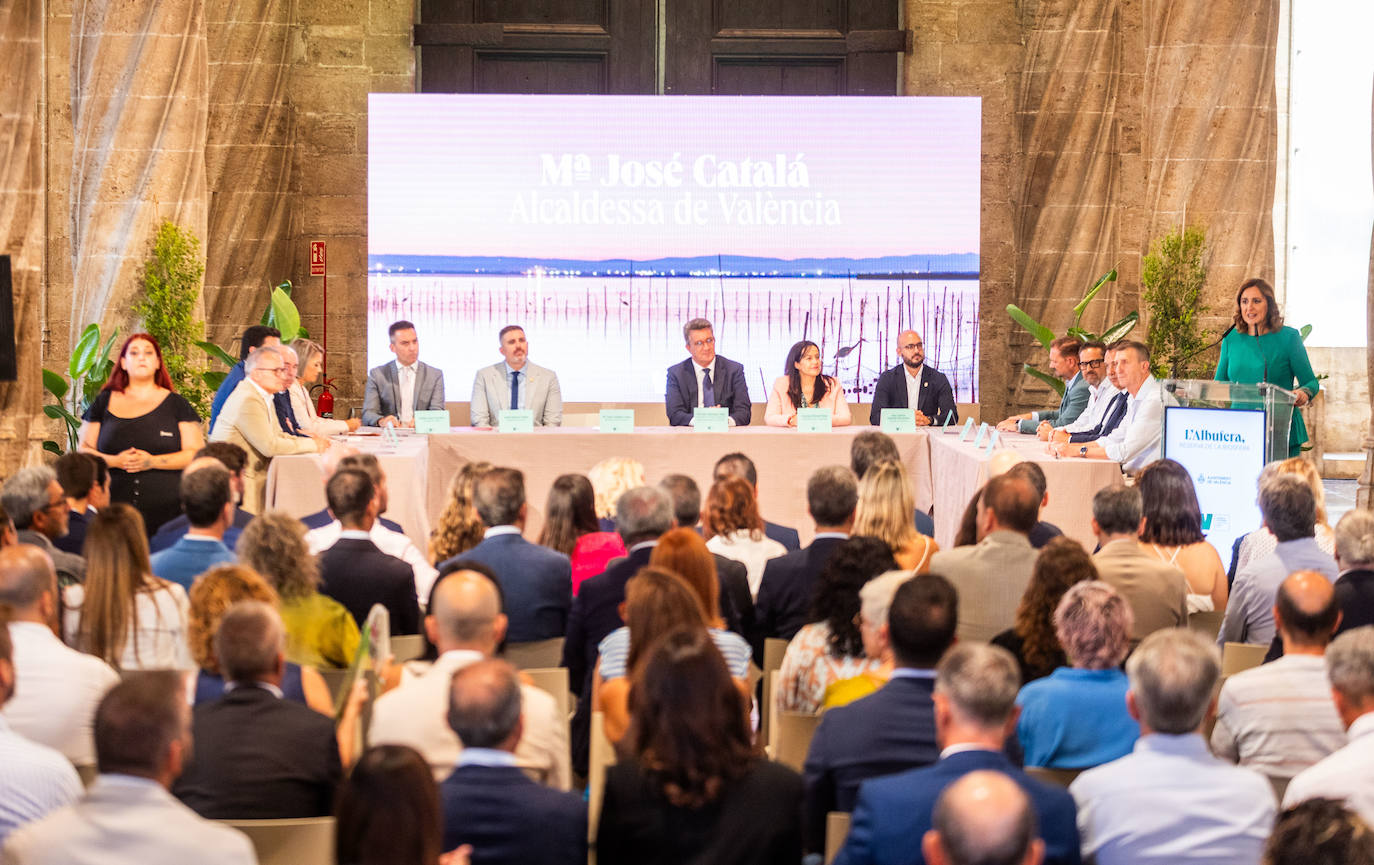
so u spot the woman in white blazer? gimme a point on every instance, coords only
(309, 366)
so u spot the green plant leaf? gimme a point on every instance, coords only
(1043, 334)
(109, 344)
(217, 353)
(57, 412)
(1109, 276)
(1305, 331)
(52, 447)
(282, 315)
(302, 333)
(1121, 328)
(84, 355)
(285, 285)
(1048, 379)
(213, 378)
(54, 384)
(1080, 334)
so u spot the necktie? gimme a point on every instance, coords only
(515, 390)
(407, 382)
(708, 390)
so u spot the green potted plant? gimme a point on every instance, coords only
(1045, 336)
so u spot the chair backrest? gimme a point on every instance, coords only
(601, 754)
(553, 681)
(1239, 657)
(1057, 777)
(836, 830)
(790, 734)
(299, 841)
(1208, 624)
(407, 647)
(773, 651)
(535, 654)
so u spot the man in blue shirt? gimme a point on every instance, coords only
(254, 338)
(207, 500)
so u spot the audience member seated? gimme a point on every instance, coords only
(123, 614)
(388, 811)
(488, 802)
(207, 501)
(736, 603)
(737, 465)
(1347, 774)
(1074, 401)
(56, 705)
(1261, 542)
(143, 738)
(354, 571)
(36, 779)
(459, 528)
(1320, 832)
(992, 575)
(571, 528)
(734, 529)
(1043, 532)
(914, 384)
(975, 711)
(320, 631)
(803, 385)
(1032, 639)
(1173, 532)
(893, 729)
(1156, 591)
(984, 818)
(871, 447)
(883, 504)
(1289, 512)
(396, 390)
(657, 601)
(694, 783)
(875, 596)
(85, 481)
(388, 536)
(832, 492)
(1076, 717)
(466, 623)
(1135, 442)
(8, 536)
(34, 501)
(683, 552)
(1279, 718)
(309, 368)
(233, 458)
(536, 581)
(216, 591)
(258, 756)
(1170, 800)
(1355, 561)
(612, 478)
(830, 647)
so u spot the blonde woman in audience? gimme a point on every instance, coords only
(459, 528)
(875, 599)
(123, 614)
(831, 647)
(309, 367)
(320, 632)
(734, 529)
(1173, 532)
(1261, 542)
(884, 511)
(611, 478)
(1032, 639)
(571, 528)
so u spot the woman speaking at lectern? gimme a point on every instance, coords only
(1261, 349)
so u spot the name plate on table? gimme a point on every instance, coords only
(968, 426)
(617, 420)
(516, 420)
(427, 422)
(982, 431)
(994, 440)
(715, 419)
(813, 419)
(898, 420)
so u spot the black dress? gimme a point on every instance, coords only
(153, 492)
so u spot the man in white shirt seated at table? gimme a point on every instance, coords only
(1135, 443)
(515, 383)
(1094, 363)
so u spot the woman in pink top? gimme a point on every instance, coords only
(803, 386)
(570, 527)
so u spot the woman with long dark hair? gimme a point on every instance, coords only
(571, 527)
(1032, 639)
(387, 812)
(803, 385)
(1173, 532)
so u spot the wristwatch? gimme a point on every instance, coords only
(1083, 451)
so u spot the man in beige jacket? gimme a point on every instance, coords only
(1156, 590)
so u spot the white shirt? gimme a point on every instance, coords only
(1135, 441)
(57, 691)
(1098, 399)
(754, 555)
(36, 780)
(913, 385)
(1347, 775)
(522, 395)
(392, 543)
(159, 642)
(406, 380)
(1278, 718)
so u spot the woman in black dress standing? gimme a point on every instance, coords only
(144, 431)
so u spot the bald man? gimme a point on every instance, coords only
(466, 623)
(984, 818)
(914, 384)
(1279, 718)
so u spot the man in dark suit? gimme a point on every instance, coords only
(871, 447)
(488, 801)
(354, 571)
(975, 710)
(784, 601)
(536, 581)
(893, 729)
(985, 818)
(85, 481)
(233, 458)
(934, 398)
(258, 756)
(736, 601)
(737, 465)
(705, 379)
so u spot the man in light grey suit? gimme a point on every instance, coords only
(516, 383)
(142, 737)
(396, 390)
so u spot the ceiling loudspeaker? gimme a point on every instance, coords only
(9, 361)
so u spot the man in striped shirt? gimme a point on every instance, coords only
(1279, 718)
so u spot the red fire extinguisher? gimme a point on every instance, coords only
(324, 405)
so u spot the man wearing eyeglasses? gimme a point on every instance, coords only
(914, 384)
(705, 380)
(34, 500)
(1093, 363)
(249, 420)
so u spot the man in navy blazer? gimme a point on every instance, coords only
(975, 711)
(894, 729)
(354, 571)
(934, 396)
(784, 601)
(705, 379)
(737, 465)
(536, 581)
(488, 801)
